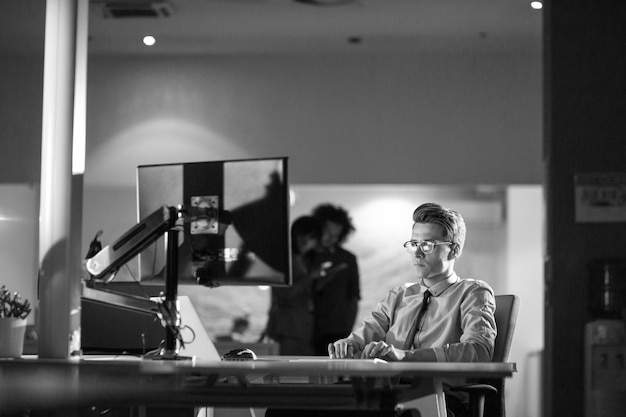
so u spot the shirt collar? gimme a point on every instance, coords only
(438, 289)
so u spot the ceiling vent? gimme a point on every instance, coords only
(136, 9)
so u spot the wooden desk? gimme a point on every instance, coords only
(268, 382)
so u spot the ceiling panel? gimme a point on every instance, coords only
(285, 26)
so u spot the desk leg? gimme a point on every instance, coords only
(429, 400)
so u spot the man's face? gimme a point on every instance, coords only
(440, 262)
(330, 235)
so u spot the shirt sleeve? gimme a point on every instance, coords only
(375, 326)
(478, 327)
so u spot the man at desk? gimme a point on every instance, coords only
(441, 317)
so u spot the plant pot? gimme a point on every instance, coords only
(12, 331)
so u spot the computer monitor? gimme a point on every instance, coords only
(235, 228)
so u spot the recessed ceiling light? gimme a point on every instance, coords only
(537, 5)
(149, 40)
(325, 2)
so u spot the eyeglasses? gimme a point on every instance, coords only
(426, 246)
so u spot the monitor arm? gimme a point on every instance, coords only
(148, 230)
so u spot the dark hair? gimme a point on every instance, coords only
(302, 226)
(329, 213)
(450, 221)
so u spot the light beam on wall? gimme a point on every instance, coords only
(79, 133)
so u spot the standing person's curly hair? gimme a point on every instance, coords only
(330, 213)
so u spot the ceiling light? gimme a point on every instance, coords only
(149, 40)
(537, 5)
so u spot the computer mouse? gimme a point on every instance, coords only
(239, 355)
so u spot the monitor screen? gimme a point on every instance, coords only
(235, 228)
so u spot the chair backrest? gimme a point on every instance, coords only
(507, 307)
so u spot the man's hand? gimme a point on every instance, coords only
(382, 350)
(342, 349)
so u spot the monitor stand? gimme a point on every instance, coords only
(169, 308)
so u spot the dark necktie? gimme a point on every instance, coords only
(414, 329)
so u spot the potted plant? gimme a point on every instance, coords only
(13, 313)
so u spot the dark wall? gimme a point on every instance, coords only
(585, 132)
(21, 89)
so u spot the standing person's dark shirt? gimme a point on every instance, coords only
(335, 298)
(291, 315)
(290, 320)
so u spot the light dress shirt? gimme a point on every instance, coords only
(459, 323)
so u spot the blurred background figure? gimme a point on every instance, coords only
(238, 331)
(290, 320)
(336, 293)
(240, 328)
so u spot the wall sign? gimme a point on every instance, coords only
(600, 197)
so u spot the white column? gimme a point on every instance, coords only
(59, 282)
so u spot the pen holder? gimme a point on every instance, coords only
(12, 331)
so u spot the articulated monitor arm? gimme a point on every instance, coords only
(113, 257)
(140, 236)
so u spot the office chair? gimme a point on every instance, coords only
(487, 394)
